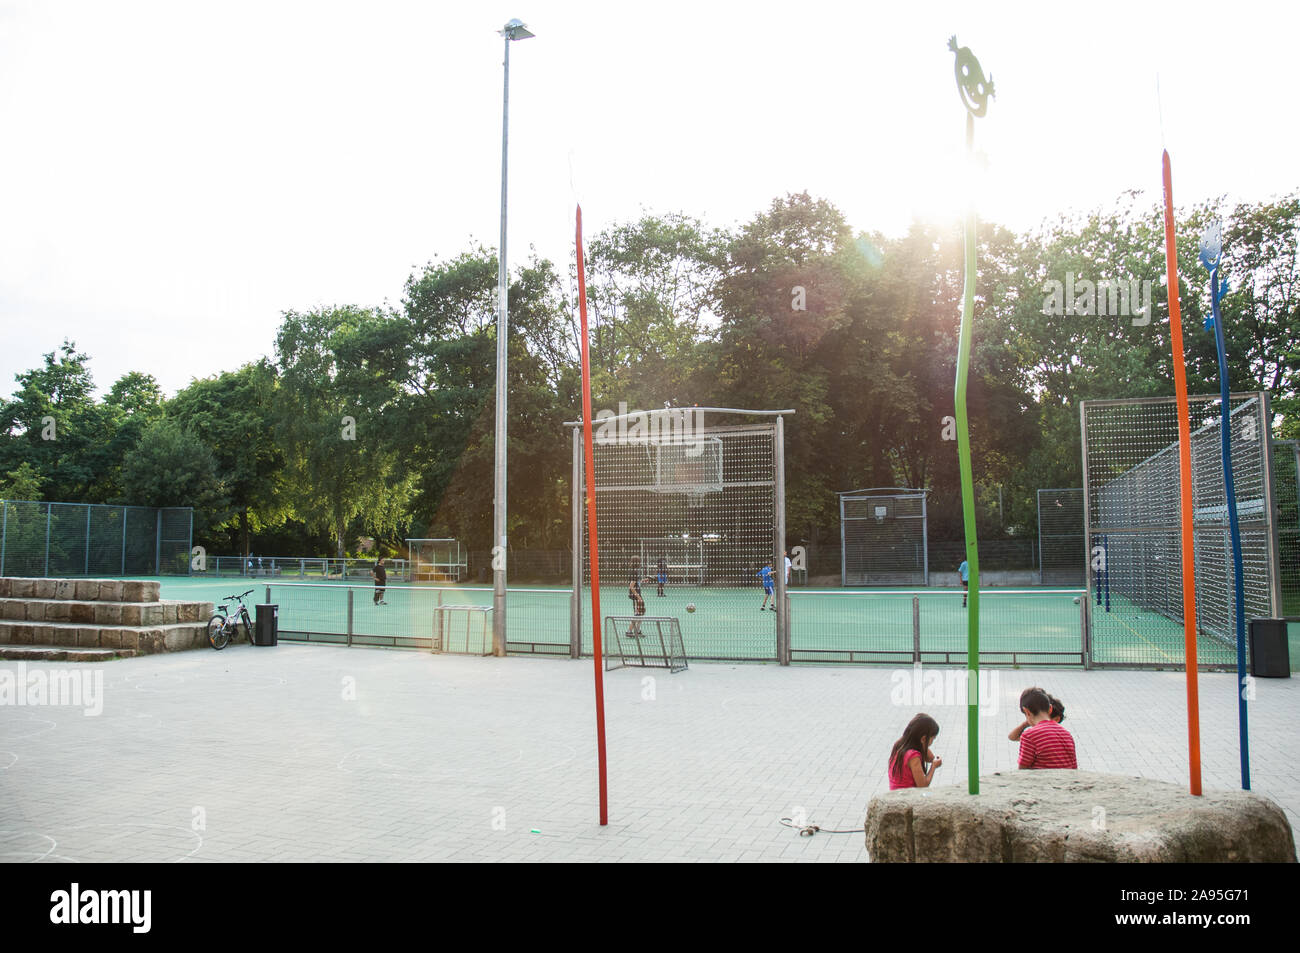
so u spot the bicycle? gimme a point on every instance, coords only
(222, 627)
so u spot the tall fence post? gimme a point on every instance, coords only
(916, 629)
(349, 616)
(4, 535)
(575, 569)
(49, 511)
(157, 543)
(87, 569)
(783, 618)
(126, 518)
(1085, 635)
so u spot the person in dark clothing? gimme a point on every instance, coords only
(662, 574)
(381, 580)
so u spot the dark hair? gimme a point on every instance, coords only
(1058, 710)
(921, 726)
(1035, 701)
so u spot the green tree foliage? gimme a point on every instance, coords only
(173, 467)
(233, 413)
(336, 422)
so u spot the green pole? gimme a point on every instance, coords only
(975, 92)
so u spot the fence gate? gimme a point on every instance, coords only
(1062, 554)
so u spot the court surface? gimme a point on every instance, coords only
(327, 753)
(1023, 627)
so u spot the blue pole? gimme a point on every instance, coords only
(1211, 247)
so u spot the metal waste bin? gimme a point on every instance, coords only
(266, 626)
(1270, 656)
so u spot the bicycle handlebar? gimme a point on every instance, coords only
(242, 594)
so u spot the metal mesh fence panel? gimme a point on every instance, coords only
(1131, 481)
(87, 539)
(883, 538)
(1017, 626)
(1062, 554)
(714, 492)
(1286, 493)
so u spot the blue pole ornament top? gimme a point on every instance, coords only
(1211, 255)
(974, 88)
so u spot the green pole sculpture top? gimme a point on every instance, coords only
(975, 92)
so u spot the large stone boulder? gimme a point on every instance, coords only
(1075, 816)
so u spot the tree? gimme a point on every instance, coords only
(172, 467)
(336, 419)
(233, 413)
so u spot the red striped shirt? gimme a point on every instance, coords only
(1047, 745)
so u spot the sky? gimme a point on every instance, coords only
(175, 175)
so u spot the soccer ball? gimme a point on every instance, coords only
(690, 607)
(1076, 600)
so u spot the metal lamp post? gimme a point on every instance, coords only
(514, 30)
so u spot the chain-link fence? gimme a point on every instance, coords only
(87, 539)
(1132, 488)
(1062, 554)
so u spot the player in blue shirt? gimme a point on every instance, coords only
(769, 587)
(964, 571)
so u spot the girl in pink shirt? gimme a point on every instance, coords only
(910, 756)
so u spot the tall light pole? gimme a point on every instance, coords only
(514, 30)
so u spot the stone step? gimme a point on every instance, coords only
(58, 653)
(85, 590)
(165, 612)
(146, 640)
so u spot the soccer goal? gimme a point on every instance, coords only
(437, 560)
(682, 558)
(883, 537)
(1062, 555)
(1133, 526)
(644, 642)
(703, 490)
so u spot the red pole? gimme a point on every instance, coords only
(1185, 481)
(591, 529)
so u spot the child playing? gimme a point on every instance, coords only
(769, 587)
(964, 571)
(1044, 744)
(662, 573)
(1057, 714)
(911, 753)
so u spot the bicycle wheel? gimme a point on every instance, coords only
(218, 631)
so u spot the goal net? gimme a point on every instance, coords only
(437, 560)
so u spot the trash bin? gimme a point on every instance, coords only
(1270, 656)
(266, 627)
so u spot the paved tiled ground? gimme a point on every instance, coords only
(325, 753)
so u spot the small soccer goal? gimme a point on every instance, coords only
(647, 641)
(437, 560)
(682, 558)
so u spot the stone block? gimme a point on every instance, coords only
(58, 611)
(110, 590)
(108, 613)
(65, 589)
(43, 588)
(87, 589)
(22, 588)
(88, 638)
(131, 613)
(81, 612)
(1076, 817)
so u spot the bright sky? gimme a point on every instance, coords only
(173, 175)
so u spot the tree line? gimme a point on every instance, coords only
(378, 420)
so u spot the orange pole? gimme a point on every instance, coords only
(1185, 482)
(591, 529)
